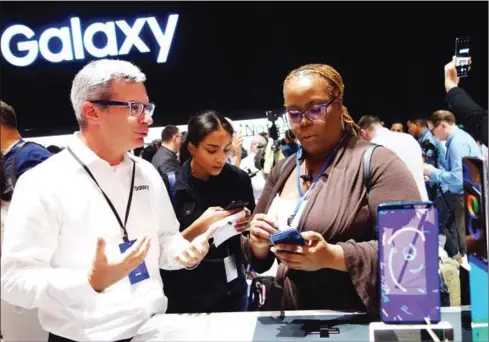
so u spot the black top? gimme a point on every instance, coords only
(207, 284)
(473, 116)
(165, 160)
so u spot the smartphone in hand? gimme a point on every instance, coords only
(289, 236)
(462, 54)
(236, 204)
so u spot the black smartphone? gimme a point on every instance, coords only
(462, 54)
(236, 205)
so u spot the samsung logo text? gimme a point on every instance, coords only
(75, 43)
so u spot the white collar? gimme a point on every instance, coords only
(89, 157)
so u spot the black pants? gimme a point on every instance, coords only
(56, 338)
(452, 223)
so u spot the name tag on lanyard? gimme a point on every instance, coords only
(140, 273)
(231, 268)
(296, 214)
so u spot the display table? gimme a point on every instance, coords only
(267, 326)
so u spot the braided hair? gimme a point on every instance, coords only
(334, 79)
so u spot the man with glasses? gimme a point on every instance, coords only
(459, 144)
(89, 229)
(166, 160)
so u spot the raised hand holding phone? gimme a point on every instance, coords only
(462, 53)
(451, 78)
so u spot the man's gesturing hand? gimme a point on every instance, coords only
(104, 273)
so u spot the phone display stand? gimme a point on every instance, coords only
(382, 332)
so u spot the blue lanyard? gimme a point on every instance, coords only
(316, 179)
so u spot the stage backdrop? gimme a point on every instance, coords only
(234, 56)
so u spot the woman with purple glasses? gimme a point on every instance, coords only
(321, 192)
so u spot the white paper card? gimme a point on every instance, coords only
(227, 228)
(224, 233)
(230, 267)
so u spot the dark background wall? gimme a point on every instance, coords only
(234, 56)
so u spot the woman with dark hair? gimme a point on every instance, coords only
(200, 189)
(183, 154)
(321, 192)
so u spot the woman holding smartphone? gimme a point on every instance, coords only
(320, 191)
(201, 190)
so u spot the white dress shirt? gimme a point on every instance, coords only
(55, 217)
(408, 150)
(18, 324)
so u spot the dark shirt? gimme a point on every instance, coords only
(29, 156)
(473, 116)
(165, 160)
(205, 288)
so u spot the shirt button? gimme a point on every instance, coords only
(187, 212)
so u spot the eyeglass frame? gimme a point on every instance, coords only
(147, 107)
(432, 131)
(304, 112)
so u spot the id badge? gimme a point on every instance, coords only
(230, 268)
(140, 273)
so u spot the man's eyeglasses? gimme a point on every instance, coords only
(432, 131)
(136, 109)
(313, 113)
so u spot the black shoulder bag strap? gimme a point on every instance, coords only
(286, 162)
(367, 161)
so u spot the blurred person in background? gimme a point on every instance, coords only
(150, 150)
(238, 153)
(18, 155)
(253, 165)
(288, 145)
(433, 150)
(257, 144)
(166, 158)
(201, 189)
(459, 144)
(402, 144)
(397, 126)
